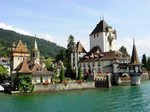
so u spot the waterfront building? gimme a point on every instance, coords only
(22, 64)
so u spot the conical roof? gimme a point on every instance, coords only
(134, 58)
(101, 27)
(24, 67)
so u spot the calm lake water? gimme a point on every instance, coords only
(115, 99)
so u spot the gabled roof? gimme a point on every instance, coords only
(20, 47)
(134, 58)
(24, 68)
(37, 69)
(101, 27)
(95, 50)
(80, 48)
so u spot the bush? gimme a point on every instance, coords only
(25, 83)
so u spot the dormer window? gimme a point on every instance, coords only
(39, 69)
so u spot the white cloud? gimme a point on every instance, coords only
(9, 27)
(141, 45)
(58, 40)
(48, 37)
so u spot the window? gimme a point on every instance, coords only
(99, 63)
(97, 35)
(93, 64)
(110, 43)
(84, 65)
(73, 64)
(94, 35)
(32, 54)
(39, 69)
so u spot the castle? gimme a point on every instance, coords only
(103, 56)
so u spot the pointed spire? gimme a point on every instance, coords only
(133, 41)
(103, 17)
(35, 45)
(100, 16)
(134, 57)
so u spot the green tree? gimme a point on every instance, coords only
(79, 73)
(25, 83)
(144, 61)
(49, 64)
(123, 50)
(148, 63)
(60, 56)
(68, 52)
(3, 72)
(62, 74)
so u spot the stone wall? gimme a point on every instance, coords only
(61, 87)
(145, 76)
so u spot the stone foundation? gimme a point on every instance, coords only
(61, 87)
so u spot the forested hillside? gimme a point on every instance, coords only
(7, 37)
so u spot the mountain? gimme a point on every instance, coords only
(7, 37)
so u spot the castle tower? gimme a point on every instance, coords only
(135, 67)
(103, 36)
(35, 56)
(18, 53)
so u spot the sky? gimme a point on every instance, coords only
(55, 20)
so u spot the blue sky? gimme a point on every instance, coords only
(55, 20)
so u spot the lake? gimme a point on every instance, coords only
(115, 99)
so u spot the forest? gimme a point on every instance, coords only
(7, 37)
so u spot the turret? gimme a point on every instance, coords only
(135, 67)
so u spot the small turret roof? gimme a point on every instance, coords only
(134, 58)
